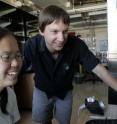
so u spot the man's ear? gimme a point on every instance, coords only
(40, 32)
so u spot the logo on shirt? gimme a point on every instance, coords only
(66, 67)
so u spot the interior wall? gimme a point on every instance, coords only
(112, 36)
(97, 35)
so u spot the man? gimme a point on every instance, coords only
(53, 55)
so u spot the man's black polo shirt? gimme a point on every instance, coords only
(55, 76)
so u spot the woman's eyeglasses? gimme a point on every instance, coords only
(10, 57)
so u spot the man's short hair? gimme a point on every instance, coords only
(50, 14)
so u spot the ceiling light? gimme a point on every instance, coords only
(30, 3)
(68, 4)
(18, 3)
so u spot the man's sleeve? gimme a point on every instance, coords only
(86, 57)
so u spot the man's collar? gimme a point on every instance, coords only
(42, 45)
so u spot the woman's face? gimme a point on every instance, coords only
(10, 60)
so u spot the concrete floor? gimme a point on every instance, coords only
(80, 92)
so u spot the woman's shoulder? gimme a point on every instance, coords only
(12, 106)
(10, 91)
(11, 96)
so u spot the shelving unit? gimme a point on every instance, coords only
(17, 20)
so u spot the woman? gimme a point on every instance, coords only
(10, 64)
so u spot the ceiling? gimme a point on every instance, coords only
(83, 13)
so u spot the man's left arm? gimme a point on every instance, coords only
(106, 76)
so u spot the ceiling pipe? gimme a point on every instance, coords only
(87, 9)
(4, 12)
(86, 27)
(89, 21)
(97, 12)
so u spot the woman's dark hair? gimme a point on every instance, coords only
(4, 100)
(4, 32)
(4, 94)
(50, 14)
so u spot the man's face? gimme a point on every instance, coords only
(9, 66)
(55, 35)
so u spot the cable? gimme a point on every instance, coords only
(81, 107)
